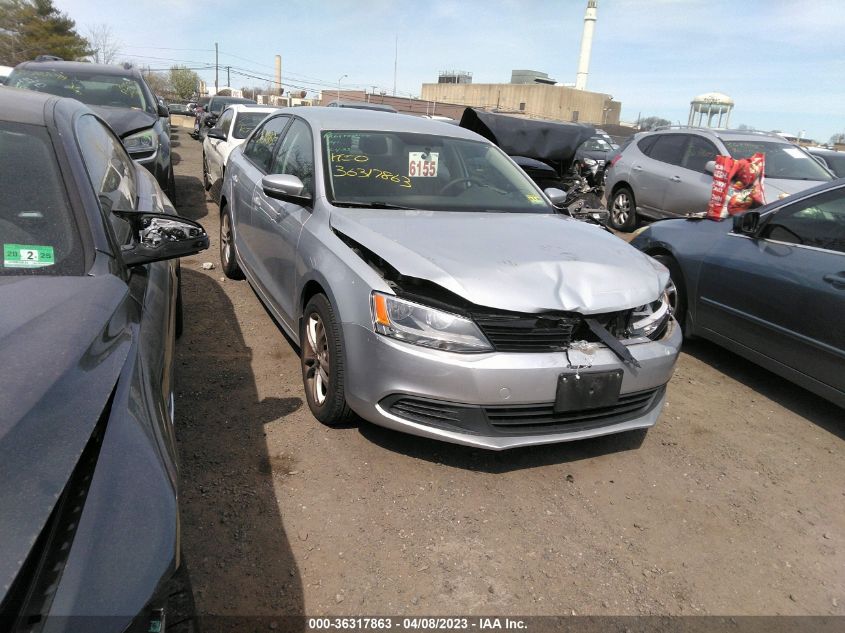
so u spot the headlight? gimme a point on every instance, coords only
(145, 141)
(428, 327)
(648, 320)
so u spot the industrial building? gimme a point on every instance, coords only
(535, 94)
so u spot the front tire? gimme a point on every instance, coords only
(676, 289)
(623, 210)
(228, 260)
(322, 359)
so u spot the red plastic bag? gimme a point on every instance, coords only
(737, 186)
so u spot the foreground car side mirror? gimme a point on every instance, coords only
(556, 196)
(747, 223)
(210, 120)
(160, 236)
(710, 166)
(287, 188)
(163, 111)
(218, 133)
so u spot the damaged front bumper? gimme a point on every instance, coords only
(497, 400)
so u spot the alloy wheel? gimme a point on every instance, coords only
(225, 240)
(672, 296)
(315, 356)
(621, 208)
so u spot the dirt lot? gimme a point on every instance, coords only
(733, 504)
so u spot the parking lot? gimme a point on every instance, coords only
(733, 504)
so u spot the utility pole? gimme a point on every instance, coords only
(216, 68)
(395, 64)
(228, 76)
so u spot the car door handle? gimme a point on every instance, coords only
(837, 280)
(637, 168)
(675, 179)
(235, 178)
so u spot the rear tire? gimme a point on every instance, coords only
(677, 289)
(322, 360)
(180, 610)
(228, 259)
(623, 210)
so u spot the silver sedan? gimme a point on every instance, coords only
(434, 290)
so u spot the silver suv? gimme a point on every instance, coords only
(669, 172)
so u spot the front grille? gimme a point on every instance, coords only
(520, 419)
(543, 417)
(426, 411)
(529, 333)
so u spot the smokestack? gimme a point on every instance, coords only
(278, 74)
(586, 46)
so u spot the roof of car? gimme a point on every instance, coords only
(251, 107)
(722, 133)
(84, 67)
(325, 118)
(23, 106)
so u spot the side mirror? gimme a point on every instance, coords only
(162, 111)
(286, 187)
(710, 166)
(210, 120)
(160, 236)
(556, 196)
(217, 132)
(747, 223)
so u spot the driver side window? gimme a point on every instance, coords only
(259, 148)
(818, 221)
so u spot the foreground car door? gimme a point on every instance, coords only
(278, 224)
(246, 173)
(690, 184)
(782, 293)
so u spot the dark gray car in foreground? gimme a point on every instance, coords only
(769, 286)
(89, 524)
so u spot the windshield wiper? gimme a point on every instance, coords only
(354, 204)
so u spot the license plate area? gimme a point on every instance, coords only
(588, 390)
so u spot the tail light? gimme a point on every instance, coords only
(614, 160)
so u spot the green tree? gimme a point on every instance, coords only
(29, 28)
(652, 122)
(183, 82)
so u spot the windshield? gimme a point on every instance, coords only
(247, 122)
(597, 144)
(90, 88)
(836, 162)
(421, 171)
(37, 228)
(783, 160)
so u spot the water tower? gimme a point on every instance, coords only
(710, 106)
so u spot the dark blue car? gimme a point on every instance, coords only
(768, 285)
(89, 308)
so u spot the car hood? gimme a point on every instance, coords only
(510, 261)
(63, 341)
(125, 120)
(774, 188)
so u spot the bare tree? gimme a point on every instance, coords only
(837, 138)
(104, 44)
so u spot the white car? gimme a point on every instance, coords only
(230, 130)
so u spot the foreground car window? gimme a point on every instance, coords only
(782, 160)
(425, 172)
(88, 87)
(37, 228)
(110, 170)
(818, 222)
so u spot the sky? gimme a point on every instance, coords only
(782, 61)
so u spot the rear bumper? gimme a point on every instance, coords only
(496, 400)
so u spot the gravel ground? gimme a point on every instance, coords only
(733, 504)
